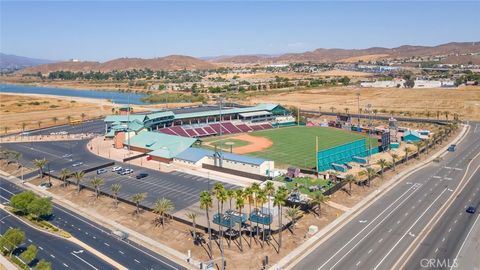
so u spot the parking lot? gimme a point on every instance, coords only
(181, 188)
(93, 126)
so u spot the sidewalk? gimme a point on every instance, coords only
(303, 250)
(142, 240)
(6, 264)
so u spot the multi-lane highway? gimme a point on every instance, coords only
(381, 234)
(61, 253)
(130, 255)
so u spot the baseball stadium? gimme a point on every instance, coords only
(265, 136)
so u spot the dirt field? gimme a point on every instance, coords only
(39, 111)
(256, 144)
(464, 101)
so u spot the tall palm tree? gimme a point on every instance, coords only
(69, 117)
(55, 120)
(407, 151)
(293, 214)
(5, 129)
(230, 195)
(221, 196)
(446, 114)
(24, 125)
(332, 109)
(206, 204)
(239, 204)
(192, 216)
(382, 163)
(255, 190)
(64, 173)
(115, 188)
(350, 179)
(40, 165)
(317, 200)
(96, 182)
(248, 194)
(137, 198)
(395, 157)
(83, 115)
(163, 207)
(279, 202)
(78, 178)
(261, 199)
(370, 174)
(39, 123)
(269, 189)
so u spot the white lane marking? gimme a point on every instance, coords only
(121, 252)
(465, 240)
(51, 255)
(436, 250)
(381, 240)
(64, 264)
(41, 248)
(370, 251)
(358, 263)
(371, 230)
(136, 261)
(84, 261)
(106, 244)
(409, 229)
(29, 240)
(437, 177)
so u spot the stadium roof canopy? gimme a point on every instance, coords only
(252, 114)
(259, 107)
(160, 144)
(125, 118)
(196, 154)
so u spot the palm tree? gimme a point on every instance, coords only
(78, 178)
(230, 195)
(293, 214)
(346, 110)
(332, 109)
(269, 189)
(239, 204)
(279, 201)
(64, 173)
(394, 160)
(382, 163)
(206, 204)
(24, 125)
(370, 174)
(317, 200)
(69, 117)
(248, 193)
(113, 110)
(261, 199)
(137, 198)
(39, 123)
(446, 114)
(96, 183)
(5, 129)
(350, 179)
(55, 120)
(163, 207)
(192, 216)
(115, 188)
(40, 164)
(83, 115)
(418, 145)
(407, 151)
(255, 190)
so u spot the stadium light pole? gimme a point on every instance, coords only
(358, 108)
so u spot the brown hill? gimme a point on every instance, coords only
(338, 55)
(172, 62)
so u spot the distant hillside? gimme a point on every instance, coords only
(172, 62)
(348, 55)
(14, 62)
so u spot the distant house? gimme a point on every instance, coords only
(411, 136)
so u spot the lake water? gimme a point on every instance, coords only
(116, 97)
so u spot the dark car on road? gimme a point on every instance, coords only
(471, 210)
(141, 175)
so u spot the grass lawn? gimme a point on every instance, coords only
(296, 145)
(303, 183)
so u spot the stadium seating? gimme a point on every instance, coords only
(212, 129)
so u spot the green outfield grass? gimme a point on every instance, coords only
(296, 145)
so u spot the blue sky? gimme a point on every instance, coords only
(106, 30)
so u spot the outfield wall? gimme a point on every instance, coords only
(343, 154)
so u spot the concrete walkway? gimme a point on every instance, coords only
(304, 249)
(6, 264)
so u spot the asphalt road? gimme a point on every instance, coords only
(443, 243)
(128, 254)
(381, 233)
(60, 252)
(93, 126)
